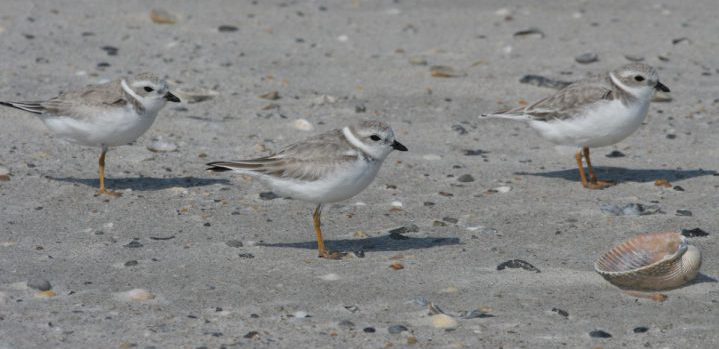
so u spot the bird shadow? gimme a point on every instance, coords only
(620, 174)
(144, 183)
(700, 279)
(374, 244)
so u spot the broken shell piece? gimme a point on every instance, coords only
(195, 95)
(444, 321)
(443, 71)
(302, 124)
(653, 261)
(137, 295)
(161, 16)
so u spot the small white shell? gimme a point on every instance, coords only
(654, 261)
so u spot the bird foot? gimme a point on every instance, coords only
(108, 193)
(599, 185)
(333, 255)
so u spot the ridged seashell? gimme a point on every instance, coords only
(654, 261)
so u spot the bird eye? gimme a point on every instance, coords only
(639, 78)
(375, 138)
(148, 89)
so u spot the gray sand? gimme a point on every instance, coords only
(329, 61)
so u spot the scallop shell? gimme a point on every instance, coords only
(654, 261)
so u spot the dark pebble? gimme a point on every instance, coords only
(615, 154)
(459, 129)
(369, 330)
(517, 263)
(246, 255)
(437, 223)
(641, 329)
(251, 334)
(346, 324)
(685, 213)
(134, 244)
(131, 263)
(103, 65)
(476, 152)
(561, 312)
(360, 109)
(234, 243)
(394, 329)
(450, 220)
(268, 195)
(696, 232)
(671, 136)
(227, 29)
(410, 228)
(110, 50)
(39, 284)
(678, 188)
(599, 334)
(475, 314)
(207, 224)
(465, 178)
(428, 204)
(162, 238)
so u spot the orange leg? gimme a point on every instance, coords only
(323, 251)
(582, 175)
(102, 190)
(594, 183)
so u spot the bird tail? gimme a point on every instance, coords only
(223, 166)
(32, 107)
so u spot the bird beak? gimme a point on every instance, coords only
(398, 146)
(172, 98)
(661, 87)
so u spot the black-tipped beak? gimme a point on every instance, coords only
(172, 98)
(661, 87)
(398, 146)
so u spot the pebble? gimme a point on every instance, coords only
(39, 284)
(640, 329)
(476, 313)
(586, 58)
(465, 178)
(330, 277)
(133, 244)
(397, 236)
(160, 146)
(561, 312)
(195, 95)
(161, 16)
(396, 266)
(301, 314)
(110, 50)
(369, 330)
(517, 263)
(634, 58)
(246, 255)
(417, 61)
(599, 334)
(395, 329)
(343, 38)
(272, 95)
(631, 209)
(396, 204)
(234, 243)
(684, 213)
(443, 71)
(227, 29)
(503, 189)
(541, 81)
(4, 171)
(46, 294)
(696, 232)
(137, 295)
(268, 195)
(459, 129)
(529, 33)
(409, 228)
(303, 125)
(131, 263)
(346, 324)
(444, 321)
(615, 154)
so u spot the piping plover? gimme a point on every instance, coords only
(106, 115)
(592, 113)
(330, 167)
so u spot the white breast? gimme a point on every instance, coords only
(605, 124)
(343, 184)
(112, 127)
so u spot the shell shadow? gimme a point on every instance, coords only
(700, 279)
(375, 243)
(144, 183)
(620, 174)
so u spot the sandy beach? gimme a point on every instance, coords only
(186, 258)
